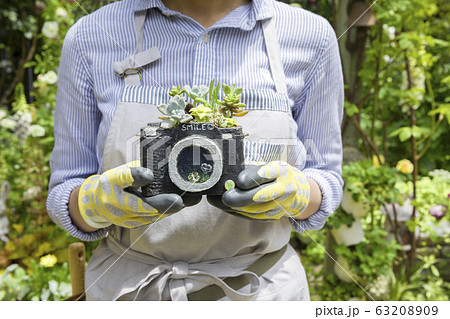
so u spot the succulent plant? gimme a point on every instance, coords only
(175, 112)
(176, 90)
(201, 113)
(224, 121)
(231, 105)
(196, 93)
(220, 113)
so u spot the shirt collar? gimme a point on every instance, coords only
(261, 10)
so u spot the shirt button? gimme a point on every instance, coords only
(205, 38)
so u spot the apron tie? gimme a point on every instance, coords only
(174, 276)
(175, 280)
(180, 271)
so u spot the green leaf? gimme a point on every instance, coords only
(29, 64)
(446, 80)
(434, 270)
(441, 43)
(200, 100)
(417, 132)
(211, 87)
(350, 108)
(216, 92)
(19, 273)
(443, 109)
(226, 89)
(404, 43)
(405, 134)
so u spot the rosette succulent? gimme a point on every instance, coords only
(175, 112)
(231, 105)
(196, 93)
(201, 113)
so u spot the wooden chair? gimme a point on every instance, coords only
(77, 267)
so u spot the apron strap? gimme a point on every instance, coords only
(174, 274)
(274, 53)
(139, 21)
(131, 67)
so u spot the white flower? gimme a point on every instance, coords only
(387, 58)
(441, 173)
(406, 109)
(60, 12)
(23, 117)
(379, 289)
(5, 63)
(37, 130)
(32, 192)
(2, 114)
(8, 123)
(50, 29)
(391, 32)
(12, 15)
(50, 77)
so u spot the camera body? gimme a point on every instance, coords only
(191, 158)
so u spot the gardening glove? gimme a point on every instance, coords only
(113, 198)
(267, 192)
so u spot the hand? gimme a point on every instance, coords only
(113, 198)
(267, 192)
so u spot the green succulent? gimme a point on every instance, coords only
(227, 122)
(176, 90)
(175, 112)
(231, 105)
(201, 113)
(223, 121)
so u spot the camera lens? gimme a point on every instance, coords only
(195, 163)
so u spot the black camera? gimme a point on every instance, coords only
(195, 158)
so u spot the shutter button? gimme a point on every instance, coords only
(205, 38)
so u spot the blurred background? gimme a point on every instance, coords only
(389, 239)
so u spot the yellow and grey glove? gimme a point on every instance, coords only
(267, 192)
(113, 198)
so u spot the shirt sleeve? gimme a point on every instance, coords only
(76, 125)
(318, 112)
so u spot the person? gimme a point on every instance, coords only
(121, 61)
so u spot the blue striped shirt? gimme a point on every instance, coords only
(88, 89)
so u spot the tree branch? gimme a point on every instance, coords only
(20, 70)
(367, 138)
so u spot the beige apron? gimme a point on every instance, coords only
(200, 245)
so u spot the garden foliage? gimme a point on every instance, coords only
(399, 104)
(402, 113)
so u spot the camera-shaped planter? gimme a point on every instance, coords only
(194, 157)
